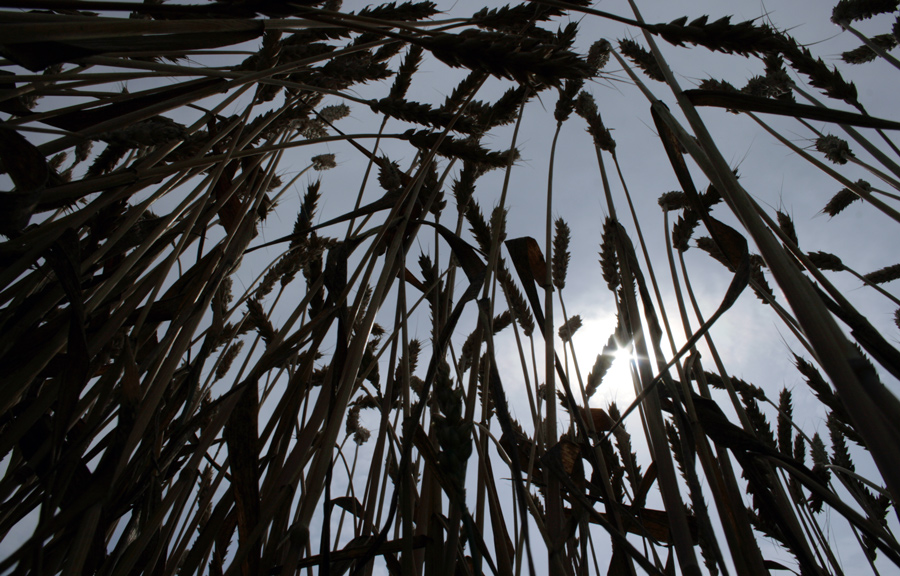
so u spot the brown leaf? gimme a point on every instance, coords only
(241, 436)
(652, 523)
(602, 421)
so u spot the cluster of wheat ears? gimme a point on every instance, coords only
(156, 419)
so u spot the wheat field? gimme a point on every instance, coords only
(312, 287)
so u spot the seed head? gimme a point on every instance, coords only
(598, 55)
(834, 149)
(323, 162)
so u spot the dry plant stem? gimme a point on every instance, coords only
(365, 178)
(746, 556)
(708, 461)
(176, 253)
(604, 470)
(554, 495)
(742, 542)
(407, 488)
(354, 356)
(659, 301)
(872, 408)
(731, 192)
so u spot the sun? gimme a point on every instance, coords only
(617, 385)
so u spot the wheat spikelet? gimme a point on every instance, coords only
(505, 110)
(422, 114)
(886, 274)
(744, 38)
(601, 366)
(466, 150)
(512, 17)
(778, 84)
(673, 200)
(623, 443)
(745, 389)
(469, 352)
(498, 223)
(642, 59)
(609, 262)
(567, 330)
(844, 198)
(479, 227)
(517, 302)
(566, 101)
(819, 456)
(865, 54)
(323, 162)
(683, 230)
(561, 254)
(464, 186)
(785, 419)
(720, 85)
(228, 356)
(834, 148)
(787, 226)
(826, 261)
(820, 76)
(759, 421)
(107, 160)
(403, 79)
(598, 55)
(587, 109)
(799, 449)
(851, 10)
(260, 321)
(525, 60)
(406, 12)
